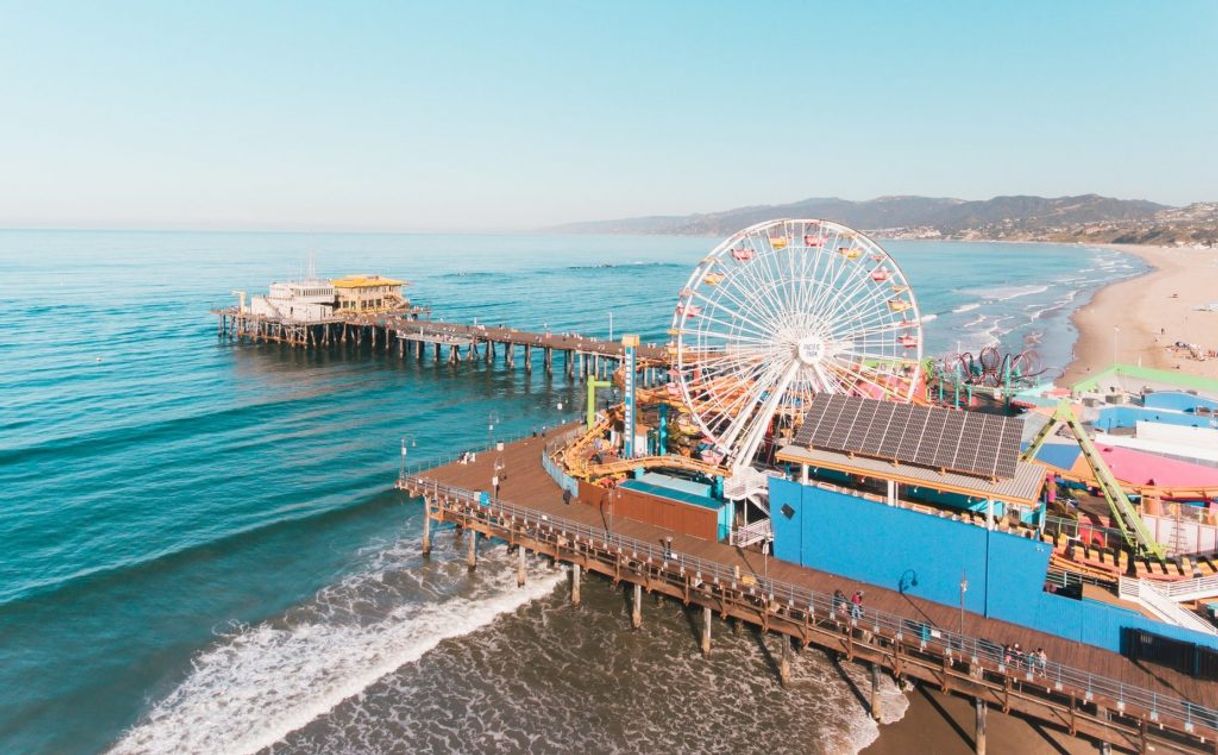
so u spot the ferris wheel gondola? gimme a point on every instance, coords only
(785, 310)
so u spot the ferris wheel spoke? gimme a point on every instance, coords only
(782, 321)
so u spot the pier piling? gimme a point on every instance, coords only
(575, 584)
(784, 663)
(875, 691)
(471, 556)
(706, 631)
(426, 527)
(636, 607)
(979, 732)
(521, 575)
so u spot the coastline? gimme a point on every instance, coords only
(1151, 311)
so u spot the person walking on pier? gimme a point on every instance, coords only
(495, 485)
(839, 601)
(856, 605)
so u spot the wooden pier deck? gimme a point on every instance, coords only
(1095, 693)
(407, 333)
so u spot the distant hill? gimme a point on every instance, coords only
(1088, 217)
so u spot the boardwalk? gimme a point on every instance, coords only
(408, 333)
(525, 482)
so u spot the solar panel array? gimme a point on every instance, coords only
(985, 445)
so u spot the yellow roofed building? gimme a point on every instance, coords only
(368, 293)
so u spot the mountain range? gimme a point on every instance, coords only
(1088, 217)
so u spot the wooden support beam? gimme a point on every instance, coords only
(706, 631)
(575, 584)
(784, 663)
(636, 607)
(521, 575)
(875, 690)
(426, 527)
(471, 556)
(979, 726)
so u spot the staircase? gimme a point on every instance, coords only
(1150, 596)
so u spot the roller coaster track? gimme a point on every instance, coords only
(1126, 517)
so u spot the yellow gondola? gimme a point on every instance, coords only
(850, 252)
(778, 242)
(713, 279)
(898, 305)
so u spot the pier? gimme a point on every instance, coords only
(411, 333)
(1098, 695)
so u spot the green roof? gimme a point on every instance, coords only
(1179, 379)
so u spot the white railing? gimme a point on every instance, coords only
(1147, 595)
(1057, 676)
(754, 532)
(1197, 588)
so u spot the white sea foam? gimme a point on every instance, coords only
(967, 307)
(928, 318)
(265, 681)
(1014, 292)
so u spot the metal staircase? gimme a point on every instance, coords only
(1151, 597)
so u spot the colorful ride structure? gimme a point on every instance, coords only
(780, 312)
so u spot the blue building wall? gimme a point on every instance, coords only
(926, 556)
(1177, 401)
(1112, 417)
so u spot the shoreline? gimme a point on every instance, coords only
(1134, 320)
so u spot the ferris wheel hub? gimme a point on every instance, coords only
(811, 350)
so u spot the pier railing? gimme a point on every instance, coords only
(912, 633)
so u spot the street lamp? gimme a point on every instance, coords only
(492, 419)
(611, 325)
(765, 562)
(1116, 332)
(407, 438)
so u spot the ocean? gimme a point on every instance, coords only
(200, 548)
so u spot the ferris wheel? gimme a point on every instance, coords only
(780, 312)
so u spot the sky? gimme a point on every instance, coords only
(459, 116)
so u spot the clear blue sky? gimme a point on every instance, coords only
(446, 115)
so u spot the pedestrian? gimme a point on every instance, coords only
(1006, 655)
(495, 485)
(839, 601)
(1042, 661)
(1017, 654)
(856, 605)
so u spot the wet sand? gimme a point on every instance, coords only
(1152, 312)
(943, 725)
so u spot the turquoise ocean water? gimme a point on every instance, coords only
(200, 549)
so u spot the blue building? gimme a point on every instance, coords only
(956, 524)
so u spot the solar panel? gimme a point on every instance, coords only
(985, 445)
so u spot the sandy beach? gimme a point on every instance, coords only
(1152, 312)
(943, 725)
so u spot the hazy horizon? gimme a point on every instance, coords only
(477, 117)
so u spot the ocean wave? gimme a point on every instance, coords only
(632, 265)
(1015, 292)
(260, 683)
(967, 307)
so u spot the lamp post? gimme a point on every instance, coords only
(963, 590)
(611, 325)
(407, 438)
(765, 562)
(491, 420)
(1116, 332)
